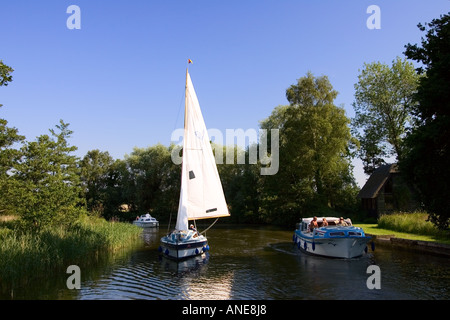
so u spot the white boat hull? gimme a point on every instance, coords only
(144, 224)
(146, 221)
(182, 247)
(351, 247)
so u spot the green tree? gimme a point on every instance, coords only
(5, 74)
(154, 180)
(425, 162)
(240, 184)
(49, 177)
(315, 142)
(8, 154)
(95, 172)
(9, 157)
(383, 105)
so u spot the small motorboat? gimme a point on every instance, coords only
(146, 221)
(336, 240)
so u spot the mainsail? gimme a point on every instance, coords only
(201, 194)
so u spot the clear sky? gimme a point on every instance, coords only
(119, 80)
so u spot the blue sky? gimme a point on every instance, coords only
(119, 80)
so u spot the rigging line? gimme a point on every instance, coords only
(209, 226)
(179, 108)
(170, 219)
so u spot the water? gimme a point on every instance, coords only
(249, 263)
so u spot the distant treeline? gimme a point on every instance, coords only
(43, 182)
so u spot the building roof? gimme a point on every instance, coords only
(376, 181)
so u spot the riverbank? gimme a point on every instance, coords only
(409, 241)
(26, 255)
(374, 229)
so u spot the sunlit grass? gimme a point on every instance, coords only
(412, 226)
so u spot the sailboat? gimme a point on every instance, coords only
(201, 194)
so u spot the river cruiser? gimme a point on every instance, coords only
(145, 221)
(336, 240)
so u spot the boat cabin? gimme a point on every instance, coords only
(332, 221)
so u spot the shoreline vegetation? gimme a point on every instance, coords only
(405, 225)
(26, 256)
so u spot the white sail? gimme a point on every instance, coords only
(201, 195)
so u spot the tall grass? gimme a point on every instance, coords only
(415, 223)
(25, 255)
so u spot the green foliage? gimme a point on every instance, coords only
(425, 162)
(241, 186)
(383, 105)
(154, 181)
(95, 173)
(47, 179)
(5, 74)
(8, 155)
(415, 223)
(315, 142)
(28, 254)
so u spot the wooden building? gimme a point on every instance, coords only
(385, 191)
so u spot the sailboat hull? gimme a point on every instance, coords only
(182, 245)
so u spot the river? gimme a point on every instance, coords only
(248, 262)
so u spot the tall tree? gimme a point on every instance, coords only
(8, 154)
(383, 104)
(314, 151)
(50, 186)
(154, 180)
(425, 162)
(5, 74)
(95, 172)
(240, 184)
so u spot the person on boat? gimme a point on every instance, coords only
(191, 227)
(324, 222)
(313, 224)
(341, 222)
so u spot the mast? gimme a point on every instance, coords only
(181, 217)
(186, 99)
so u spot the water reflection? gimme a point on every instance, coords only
(194, 264)
(151, 236)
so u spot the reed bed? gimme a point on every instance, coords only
(415, 223)
(25, 255)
